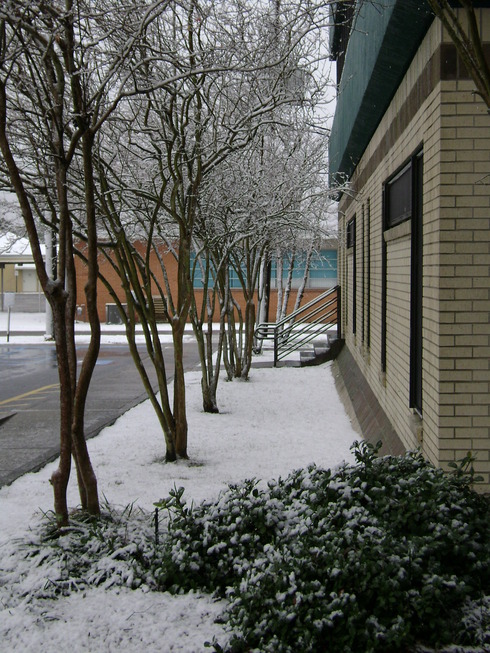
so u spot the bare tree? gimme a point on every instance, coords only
(213, 77)
(229, 233)
(269, 199)
(61, 77)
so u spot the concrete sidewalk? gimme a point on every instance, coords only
(34, 324)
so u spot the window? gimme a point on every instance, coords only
(416, 285)
(368, 273)
(399, 197)
(234, 277)
(365, 279)
(298, 272)
(321, 274)
(198, 270)
(403, 200)
(323, 269)
(351, 233)
(351, 244)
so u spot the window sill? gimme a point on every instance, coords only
(400, 231)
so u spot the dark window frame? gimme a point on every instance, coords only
(416, 286)
(398, 200)
(351, 244)
(363, 273)
(351, 232)
(413, 168)
(384, 267)
(368, 272)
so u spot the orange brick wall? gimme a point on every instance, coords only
(171, 265)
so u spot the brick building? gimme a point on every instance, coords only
(322, 275)
(412, 140)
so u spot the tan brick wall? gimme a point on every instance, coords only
(398, 329)
(465, 279)
(9, 279)
(454, 127)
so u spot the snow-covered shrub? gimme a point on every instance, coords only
(385, 555)
(376, 557)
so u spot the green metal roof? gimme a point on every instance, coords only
(382, 44)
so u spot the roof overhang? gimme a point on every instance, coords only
(382, 44)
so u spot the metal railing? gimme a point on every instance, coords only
(302, 325)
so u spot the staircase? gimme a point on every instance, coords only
(313, 330)
(27, 302)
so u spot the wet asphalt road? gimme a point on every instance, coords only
(29, 399)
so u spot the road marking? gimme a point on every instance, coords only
(18, 404)
(29, 394)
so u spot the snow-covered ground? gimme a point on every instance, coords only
(21, 326)
(280, 420)
(22, 322)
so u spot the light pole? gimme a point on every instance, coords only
(2, 268)
(51, 268)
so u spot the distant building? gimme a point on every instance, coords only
(321, 276)
(410, 145)
(19, 285)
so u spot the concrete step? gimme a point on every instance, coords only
(321, 353)
(29, 302)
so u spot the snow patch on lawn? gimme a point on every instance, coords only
(280, 420)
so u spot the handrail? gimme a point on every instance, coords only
(292, 331)
(300, 337)
(303, 308)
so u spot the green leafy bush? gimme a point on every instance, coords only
(390, 554)
(376, 557)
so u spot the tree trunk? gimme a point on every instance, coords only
(208, 388)
(162, 410)
(301, 289)
(279, 285)
(57, 297)
(89, 492)
(213, 380)
(209, 401)
(179, 394)
(234, 337)
(139, 304)
(249, 336)
(209, 369)
(60, 477)
(289, 283)
(267, 288)
(184, 300)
